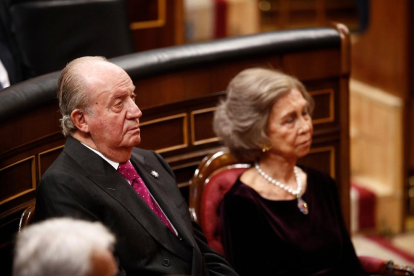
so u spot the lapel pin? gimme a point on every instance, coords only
(154, 174)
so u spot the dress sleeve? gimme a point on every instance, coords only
(241, 235)
(350, 262)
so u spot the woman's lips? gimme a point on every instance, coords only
(306, 143)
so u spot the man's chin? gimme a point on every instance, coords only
(136, 141)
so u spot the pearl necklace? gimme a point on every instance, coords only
(302, 205)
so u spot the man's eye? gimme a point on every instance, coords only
(118, 103)
(133, 97)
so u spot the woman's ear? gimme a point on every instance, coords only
(78, 119)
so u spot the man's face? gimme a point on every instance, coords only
(112, 115)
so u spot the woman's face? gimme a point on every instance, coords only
(290, 126)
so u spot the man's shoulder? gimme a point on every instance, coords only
(142, 151)
(143, 154)
(62, 165)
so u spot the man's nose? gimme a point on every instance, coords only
(133, 111)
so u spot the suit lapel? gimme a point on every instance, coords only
(115, 185)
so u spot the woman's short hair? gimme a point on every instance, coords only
(241, 119)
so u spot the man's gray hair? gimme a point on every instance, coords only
(241, 120)
(72, 91)
(60, 246)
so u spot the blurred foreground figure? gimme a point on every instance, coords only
(65, 247)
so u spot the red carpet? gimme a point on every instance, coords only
(389, 246)
(366, 207)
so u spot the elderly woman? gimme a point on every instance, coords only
(278, 218)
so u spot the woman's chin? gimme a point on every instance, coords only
(303, 153)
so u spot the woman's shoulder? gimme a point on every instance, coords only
(238, 188)
(315, 174)
(240, 199)
(319, 181)
(323, 186)
(240, 191)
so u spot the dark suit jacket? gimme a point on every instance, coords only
(81, 184)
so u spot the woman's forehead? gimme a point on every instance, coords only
(290, 100)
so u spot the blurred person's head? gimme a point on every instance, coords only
(64, 247)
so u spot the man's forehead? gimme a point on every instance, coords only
(94, 67)
(101, 72)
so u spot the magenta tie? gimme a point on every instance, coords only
(129, 172)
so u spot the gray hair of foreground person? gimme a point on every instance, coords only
(60, 246)
(241, 119)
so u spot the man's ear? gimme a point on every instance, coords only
(78, 119)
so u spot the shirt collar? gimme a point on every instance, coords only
(112, 163)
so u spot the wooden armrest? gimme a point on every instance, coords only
(376, 266)
(400, 270)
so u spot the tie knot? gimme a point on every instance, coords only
(128, 171)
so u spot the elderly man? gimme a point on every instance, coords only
(65, 247)
(100, 175)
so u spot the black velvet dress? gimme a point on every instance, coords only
(267, 237)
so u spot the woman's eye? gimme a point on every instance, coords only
(290, 120)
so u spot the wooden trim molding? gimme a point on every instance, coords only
(39, 160)
(185, 132)
(331, 117)
(33, 173)
(345, 48)
(202, 141)
(160, 22)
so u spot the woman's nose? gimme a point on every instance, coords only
(305, 125)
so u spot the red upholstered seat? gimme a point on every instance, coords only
(373, 265)
(217, 186)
